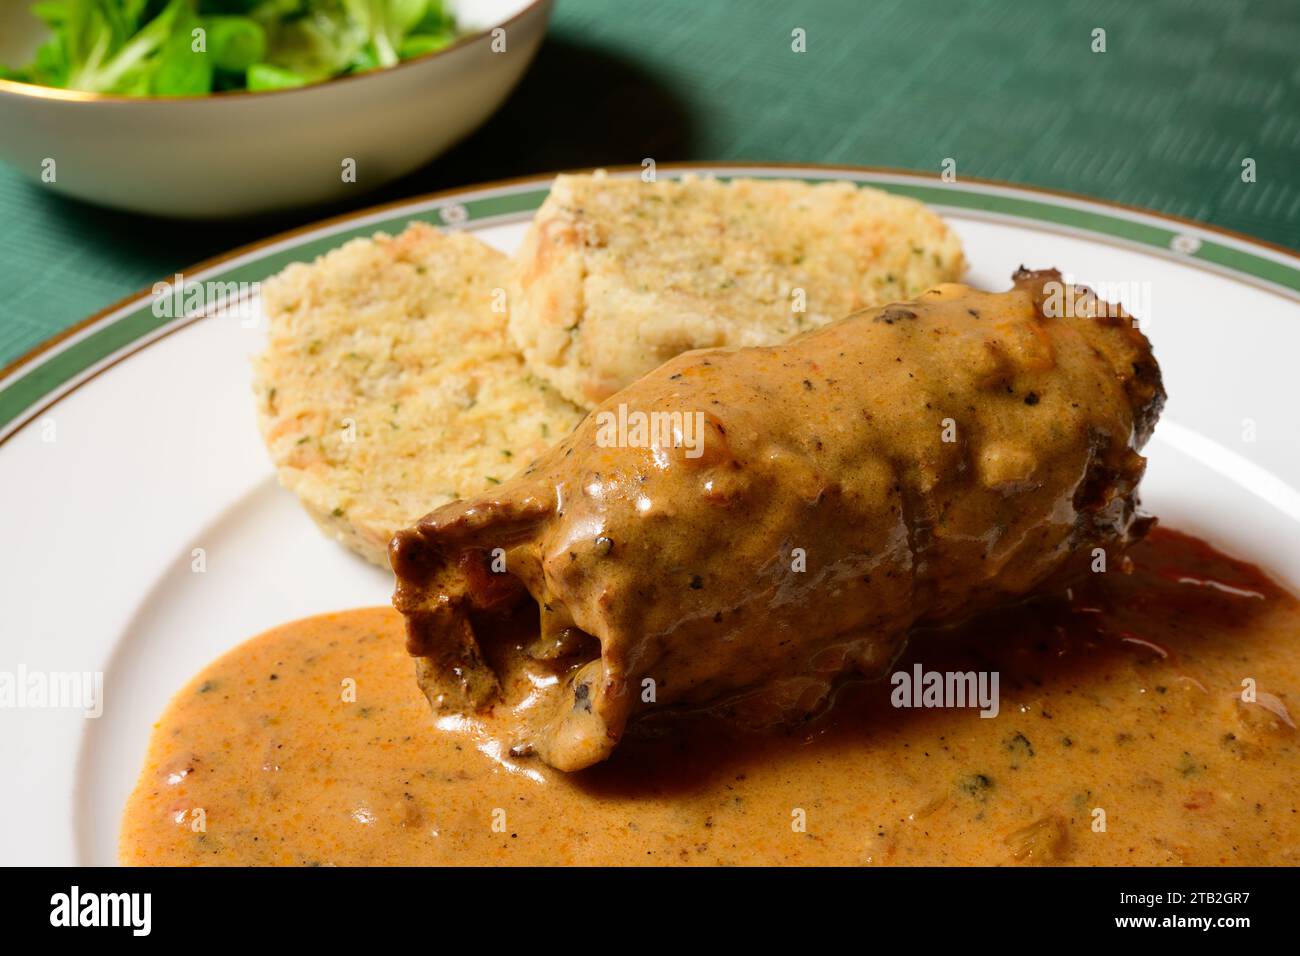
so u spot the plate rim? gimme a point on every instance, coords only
(15, 416)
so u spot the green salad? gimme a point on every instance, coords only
(192, 47)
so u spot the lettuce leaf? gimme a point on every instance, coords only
(153, 47)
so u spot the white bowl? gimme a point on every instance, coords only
(232, 154)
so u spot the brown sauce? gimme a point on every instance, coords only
(1122, 699)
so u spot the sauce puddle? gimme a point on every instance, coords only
(312, 745)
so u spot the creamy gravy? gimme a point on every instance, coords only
(1123, 698)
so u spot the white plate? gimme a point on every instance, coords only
(155, 453)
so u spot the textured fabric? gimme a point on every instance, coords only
(1009, 89)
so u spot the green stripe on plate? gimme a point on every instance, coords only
(49, 374)
(63, 366)
(1088, 221)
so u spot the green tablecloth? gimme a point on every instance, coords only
(1009, 88)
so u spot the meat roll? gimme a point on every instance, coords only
(751, 525)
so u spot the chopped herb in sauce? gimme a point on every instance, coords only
(976, 785)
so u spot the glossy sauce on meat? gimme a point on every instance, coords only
(1123, 696)
(923, 461)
